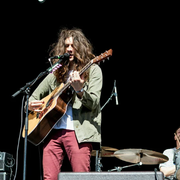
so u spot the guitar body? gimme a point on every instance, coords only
(41, 123)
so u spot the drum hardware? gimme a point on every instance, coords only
(98, 164)
(119, 169)
(103, 152)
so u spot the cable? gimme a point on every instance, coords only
(156, 177)
(10, 162)
(40, 163)
(19, 138)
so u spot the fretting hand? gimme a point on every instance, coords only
(77, 82)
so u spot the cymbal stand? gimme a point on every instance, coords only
(119, 169)
(98, 164)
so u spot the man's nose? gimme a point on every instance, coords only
(69, 48)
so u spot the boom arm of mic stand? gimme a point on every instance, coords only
(29, 84)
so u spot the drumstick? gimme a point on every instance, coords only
(177, 138)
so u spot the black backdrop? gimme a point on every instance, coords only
(144, 64)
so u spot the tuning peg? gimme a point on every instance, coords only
(108, 58)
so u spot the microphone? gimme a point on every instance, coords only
(64, 56)
(115, 93)
(57, 65)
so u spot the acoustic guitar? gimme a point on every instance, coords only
(54, 107)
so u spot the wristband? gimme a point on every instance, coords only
(80, 90)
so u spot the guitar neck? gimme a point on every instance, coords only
(87, 66)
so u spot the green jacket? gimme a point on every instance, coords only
(86, 111)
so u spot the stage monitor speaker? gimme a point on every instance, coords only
(5, 161)
(4, 176)
(149, 175)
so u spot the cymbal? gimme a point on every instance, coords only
(105, 152)
(141, 155)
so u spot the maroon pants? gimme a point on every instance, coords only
(59, 143)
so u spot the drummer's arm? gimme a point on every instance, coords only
(168, 171)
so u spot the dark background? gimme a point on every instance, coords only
(144, 39)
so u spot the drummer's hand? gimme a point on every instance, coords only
(35, 105)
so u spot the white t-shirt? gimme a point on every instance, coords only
(170, 154)
(66, 122)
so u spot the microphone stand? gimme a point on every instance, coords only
(110, 98)
(26, 90)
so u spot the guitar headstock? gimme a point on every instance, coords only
(103, 56)
(57, 66)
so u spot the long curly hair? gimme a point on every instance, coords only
(83, 52)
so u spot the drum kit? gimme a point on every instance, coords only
(136, 156)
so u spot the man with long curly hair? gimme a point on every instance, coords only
(79, 129)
